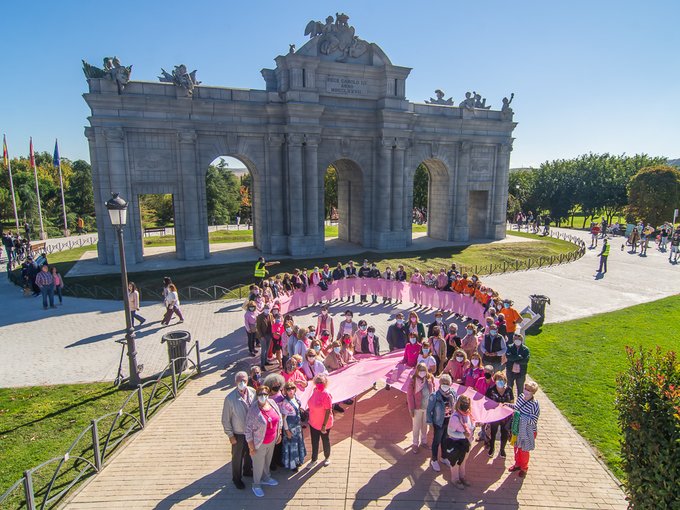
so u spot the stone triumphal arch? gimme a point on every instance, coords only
(336, 100)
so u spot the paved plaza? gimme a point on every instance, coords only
(181, 460)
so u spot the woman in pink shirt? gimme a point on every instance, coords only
(411, 351)
(474, 370)
(278, 330)
(320, 406)
(325, 323)
(263, 432)
(457, 366)
(483, 383)
(293, 372)
(416, 277)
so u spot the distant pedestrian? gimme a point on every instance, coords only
(675, 247)
(45, 283)
(133, 299)
(604, 255)
(172, 305)
(58, 284)
(80, 225)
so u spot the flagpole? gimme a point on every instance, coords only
(57, 160)
(37, 192)
(11, 181)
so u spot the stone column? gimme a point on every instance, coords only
(461, 231)
(278, 214)
(382, 187)
(295, 190)
(191, 228)
(100, 197)
(118, 182)
(313, 220)
(500, 196)
(398, 207)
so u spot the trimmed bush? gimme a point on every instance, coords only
(648, 405)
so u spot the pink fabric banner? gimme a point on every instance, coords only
(353, 380)
(414, 293)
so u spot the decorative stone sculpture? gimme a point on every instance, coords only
(181, 78)
(479, 102)
(468, 103)
(291, 49)
(113, 70)
(506, 111)
(337, 36)
(440, 99)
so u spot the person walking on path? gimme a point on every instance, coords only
(133, 298)
(525, 427)
(675, 247)
(172, 305)
(604, 255)
(263, 432)
(45, 282)
(234, 413)
(58, 284)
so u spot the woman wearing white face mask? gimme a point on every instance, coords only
(440, 405)
(474, 371)
(517, 357)
(426, 357)
(500, 393)
(234, 415)
(457, 366)
(525, 427)
(263, 431)
(334, 360)
(347, 326)
(418, 394)
(470, 342)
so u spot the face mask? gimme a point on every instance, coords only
(289, 330)
(299, 365)
(500, 384)
(426, 351)
(527, 395)
(324, 313)
(242, 385)
(412, 340)
(317, 348)
(320, 387)
(493, 332)
(256, 292)
(400, 322)
(262, 399)
(470, 332)
(459, 359)
(363, 328)
(336, 350)
(439, 320)
(251, 308)
(475, 362)
(445, 388)
(421, 373)
(265, 311)
(316, 271)
(487, 376)
(506, 305)
(310, 360)
(490, 294)
(517, 342)
(413, 320)
(348, 318)
(256, 377)
(277, 321)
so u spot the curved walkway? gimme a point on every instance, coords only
(182, 459)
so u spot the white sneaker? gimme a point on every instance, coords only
(312, 464)
(326, 462)
(435, 465)
(446, 462)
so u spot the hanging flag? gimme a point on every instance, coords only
(56, 161)
(5, 156)
(32, 156)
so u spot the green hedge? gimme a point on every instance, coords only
(648, 404)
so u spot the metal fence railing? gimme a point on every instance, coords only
(46, 485)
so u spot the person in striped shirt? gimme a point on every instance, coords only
(525, 427)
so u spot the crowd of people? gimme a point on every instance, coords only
(265, 420)
(17, 249)
(533, 223)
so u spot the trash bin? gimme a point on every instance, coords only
(538, 302)
(177, 348)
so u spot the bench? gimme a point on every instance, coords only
(155, 230)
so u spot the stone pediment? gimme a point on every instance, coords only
(335, 41)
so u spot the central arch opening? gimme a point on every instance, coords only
(431, 210)
(344, 201)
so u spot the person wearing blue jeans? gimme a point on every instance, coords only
(439, 409)
(45, 282)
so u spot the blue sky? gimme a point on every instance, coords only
(597, 76)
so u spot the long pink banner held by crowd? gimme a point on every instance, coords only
(402, 291)
(354, 379)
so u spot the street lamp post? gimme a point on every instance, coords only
(117, 208)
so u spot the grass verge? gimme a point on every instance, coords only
(576, 363)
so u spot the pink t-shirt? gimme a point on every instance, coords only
(272, 418)
(297, 376)
(411, 352)
(319, 403)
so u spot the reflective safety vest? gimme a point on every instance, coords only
(605, 250)
(260, 271)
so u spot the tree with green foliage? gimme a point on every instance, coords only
(330, 191)
(421, 183)
(222, 193)
(653, 194)
(79, 196)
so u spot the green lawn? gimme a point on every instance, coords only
(231, 275)
(576, 363)
(39, 423)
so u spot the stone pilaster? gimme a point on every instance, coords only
(312, 189)
(383, 184)
(276, 218)
(191, 226)
(397, 203)
(461, 231)
(500, 195)
(100, 197)
(295, 190)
